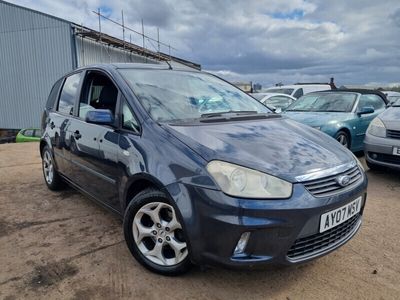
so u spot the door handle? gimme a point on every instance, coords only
(77, 135)
(52, 125)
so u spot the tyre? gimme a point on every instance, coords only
(374, 167)
(53, 180)
(343, 138)
(154, 234)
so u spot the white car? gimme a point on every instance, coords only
(392, 96)
(275, 101)
(298, 90)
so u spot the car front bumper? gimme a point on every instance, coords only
(379, 151)
(214, 223)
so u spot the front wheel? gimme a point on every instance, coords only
(154, 234)
(343, 138)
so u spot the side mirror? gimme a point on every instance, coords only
(366, 110)
(100, 116)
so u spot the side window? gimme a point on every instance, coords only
(298, 93)
(28, 132)
(68, 94)
(99, 92)
(51, 100)
(128, 118)
(371, 100)
(38, 133)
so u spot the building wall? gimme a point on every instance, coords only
(91, 52)
(35, 50)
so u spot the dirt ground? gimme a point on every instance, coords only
(64, 246)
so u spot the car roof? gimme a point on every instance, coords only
(296, 86)
(149, 66)
(360, 91)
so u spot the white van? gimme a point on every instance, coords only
(298, 90)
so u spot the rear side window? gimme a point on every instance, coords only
(298, 93)
(371, 100)
(68, 94)
(28, 132)
(51, 100)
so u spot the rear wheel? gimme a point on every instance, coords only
(53, 180)
(154, 234)
(343, 138)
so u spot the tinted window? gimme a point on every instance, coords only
(128, 118)
(68, 94)
(298, 93)
(28, 132)
(51, 100)
(170, 95)
(371, 100)
(330, 102)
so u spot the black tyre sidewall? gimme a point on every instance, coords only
(339, 133)
(143, 198)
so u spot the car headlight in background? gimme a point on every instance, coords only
(239, 181)
(377, 128)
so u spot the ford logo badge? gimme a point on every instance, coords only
(343, 180)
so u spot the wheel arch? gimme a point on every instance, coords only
(348, 132)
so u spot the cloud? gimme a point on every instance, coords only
(262, 41)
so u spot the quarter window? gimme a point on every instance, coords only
(128, 118)
(68, 94)
(298, 93)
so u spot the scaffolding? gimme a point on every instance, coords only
(106, 40)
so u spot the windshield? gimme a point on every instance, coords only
(170, 95)
(393, 99)
(396, 102)
(329, 102)
(281, 91)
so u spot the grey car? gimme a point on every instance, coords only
(382, 140)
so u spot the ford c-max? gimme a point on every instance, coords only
(200, 172)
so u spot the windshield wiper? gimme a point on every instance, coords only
(297, 110)
(228, 113)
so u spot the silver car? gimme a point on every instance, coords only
(382, 140)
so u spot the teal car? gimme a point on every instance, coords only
(342, 114)
(28, 135)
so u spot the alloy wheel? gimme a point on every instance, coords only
(342, 139)
(48, 167)
(158, 234)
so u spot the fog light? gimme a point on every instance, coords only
(374, 156)
(242, 243)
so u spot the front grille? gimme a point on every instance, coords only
(314, 244)
(328, 186)
(393, 134)
(387, 158)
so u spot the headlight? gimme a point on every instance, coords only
(239, 181)
(377, 128)
(358, 162)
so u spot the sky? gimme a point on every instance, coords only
(267, 42)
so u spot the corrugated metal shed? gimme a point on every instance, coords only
(35, 50)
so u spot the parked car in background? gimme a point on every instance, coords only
(382, 140)
(28, 135)
(392, 96)
(199, 171)
(277, 102)
(299, 89)
(342, 114)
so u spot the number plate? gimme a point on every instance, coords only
(396, 150)
(339, 215)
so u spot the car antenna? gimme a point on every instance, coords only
(169, 65)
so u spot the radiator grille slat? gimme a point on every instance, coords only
(328, 186)
(393, 134)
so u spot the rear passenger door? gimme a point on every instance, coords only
(94, 153)
(59, 120)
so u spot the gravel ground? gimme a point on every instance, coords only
(64, 246)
